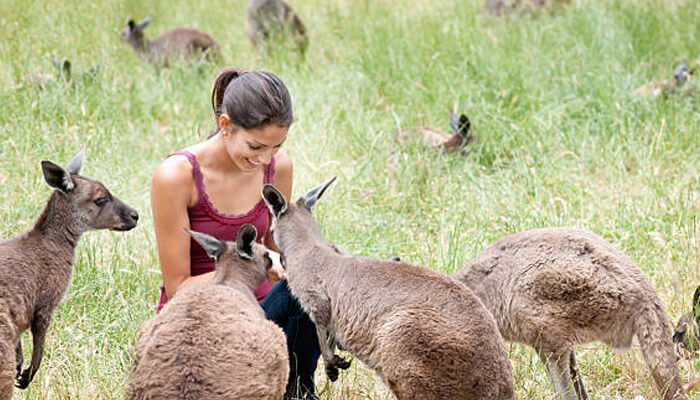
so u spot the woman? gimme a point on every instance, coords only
(215, 187)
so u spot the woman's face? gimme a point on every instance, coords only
(249, 149)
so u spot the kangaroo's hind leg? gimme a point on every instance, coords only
(558, 368)
(577, 378)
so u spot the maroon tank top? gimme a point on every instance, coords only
(205, 218)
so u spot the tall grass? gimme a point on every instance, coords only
(560, 141)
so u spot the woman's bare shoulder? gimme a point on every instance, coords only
(174, 172)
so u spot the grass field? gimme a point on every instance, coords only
(560, 141)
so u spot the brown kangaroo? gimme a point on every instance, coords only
(212, 341)
(556, 288)
(184, 43)
(445, 142)
(406, 323)
(36, 266)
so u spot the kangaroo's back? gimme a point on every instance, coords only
(204, 327)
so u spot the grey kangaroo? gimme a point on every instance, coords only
(270, 19)
(406, 323)
(556, 288)
(36, 266)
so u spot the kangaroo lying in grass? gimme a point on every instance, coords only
(36, 266)
(445, 142)
(500, 7)
(212, 341)
(407, 323)
(556, 288)
(680, 84)
(184, 43)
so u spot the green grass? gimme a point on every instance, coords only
(559, 141)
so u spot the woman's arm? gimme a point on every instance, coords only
(171, 194)
(283, 182)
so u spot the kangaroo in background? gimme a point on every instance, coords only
(556, 288)
(183, 43)
(36, 266)
(437, 139)
(270, 19)
(406, 323)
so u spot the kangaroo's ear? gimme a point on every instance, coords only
(274, 200)
(214, 247)
(57, 177)
(464, 125)
(144, 22)
(309, 199)
(76, 164)
(131, 24)
(66, 68)
(460, 125)
(696, 304)
(244, 241)
(454, 124)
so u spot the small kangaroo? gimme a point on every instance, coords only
(556, 288)
(182, 43)
(36, 266)
(687, 332)
(410, 325)
(500, 7)
(212, 341)
(667, 87)
(267, 18)
(435, 138)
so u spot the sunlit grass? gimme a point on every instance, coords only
(559, 141)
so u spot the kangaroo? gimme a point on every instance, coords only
(666, 87)
(411, 327)
(434, 138)
(212, 341)
(500, 7)
(267, 18)
(556, 288)
(42, 80)
(36, 266)
(178, 43)
(687, 332)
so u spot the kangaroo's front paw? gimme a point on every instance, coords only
(332, 373)
(23, 379)
(340, 362)
(336, 363)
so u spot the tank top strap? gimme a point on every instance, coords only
(270, 171)
(196, 174)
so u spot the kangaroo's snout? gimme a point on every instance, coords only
(129, 218)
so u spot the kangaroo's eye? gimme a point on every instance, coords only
(101, 201)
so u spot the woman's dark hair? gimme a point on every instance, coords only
(252, 99)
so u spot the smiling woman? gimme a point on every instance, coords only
(214, 187)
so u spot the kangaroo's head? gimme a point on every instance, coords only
(88, 204)
(293, 221)
(133, 33)
(681, 74)
(243, 260)
(687, 331)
